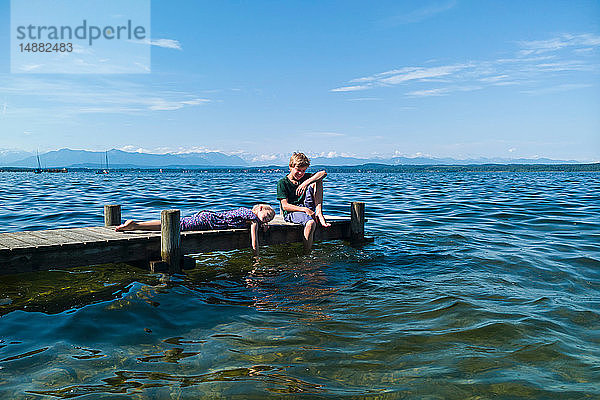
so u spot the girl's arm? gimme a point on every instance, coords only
(254, 237)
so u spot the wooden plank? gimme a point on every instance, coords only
(44, 238)
(43, 258)
(94, 234)
(11, 242)
(73, 236)
(22, 237)
(110, 234)
(102, 233)
(26, 237)
(3, 245)
(88, 231)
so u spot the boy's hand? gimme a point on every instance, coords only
(308, 211)
(301, 188)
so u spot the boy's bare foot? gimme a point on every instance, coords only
(323, 222)
(129, 225)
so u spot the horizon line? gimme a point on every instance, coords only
(256, 158)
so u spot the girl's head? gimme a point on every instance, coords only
(264, 212)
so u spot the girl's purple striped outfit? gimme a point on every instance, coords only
(209, 220)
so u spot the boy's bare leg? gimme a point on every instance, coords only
(318, 195)
(131, 225)
(309, 232)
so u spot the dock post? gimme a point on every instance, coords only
(112, 215)
(170, 240)
(357, 222)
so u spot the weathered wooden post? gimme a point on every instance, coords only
(170, 240)
(112, 215)
(357, 222)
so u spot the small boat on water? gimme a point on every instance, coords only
(38, 170)
(105, 170)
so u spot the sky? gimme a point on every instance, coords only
(448, 78)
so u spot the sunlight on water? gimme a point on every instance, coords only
(478, 285)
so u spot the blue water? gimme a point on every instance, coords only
(478, 285)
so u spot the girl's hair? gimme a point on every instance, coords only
(267, 207)
(299, 160)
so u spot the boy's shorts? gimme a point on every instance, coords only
(299, 217)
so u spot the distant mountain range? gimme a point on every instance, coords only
(123, 159)
(66, 158)
(8, 156)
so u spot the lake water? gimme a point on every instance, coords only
(478, 285)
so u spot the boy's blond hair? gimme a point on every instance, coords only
(299, 160)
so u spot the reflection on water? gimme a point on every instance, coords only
(132, 382)
(477, 286)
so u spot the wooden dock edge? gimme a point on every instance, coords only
(144, 248)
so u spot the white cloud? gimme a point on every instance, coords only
(78, 49)
(134, 149)
(350, 88)
(398, 153)
(143, 67)
(195, 149)
(31, 67)
(72, 96)
(327, 134)
(558, 43)
(429, 92)
(565, 66)
(420, 73)
(397, 76)
(166, 43)
(169, 150)
(332, 154)
(166, 105)
(419, 14)
(365, 99)
(533, 65)
(558, 88)
(494, 79)
(442, 91)
(265, 157)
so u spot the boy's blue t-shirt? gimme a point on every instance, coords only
(287, 190)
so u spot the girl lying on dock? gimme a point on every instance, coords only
(209, 220)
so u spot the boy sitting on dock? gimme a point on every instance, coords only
(301, 197)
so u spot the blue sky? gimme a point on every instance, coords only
(450, 78)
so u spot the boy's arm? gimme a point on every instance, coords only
(254, 237)
(316, 177)
(290, 208)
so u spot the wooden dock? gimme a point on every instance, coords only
(58, 248)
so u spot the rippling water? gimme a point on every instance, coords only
(478, 285)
